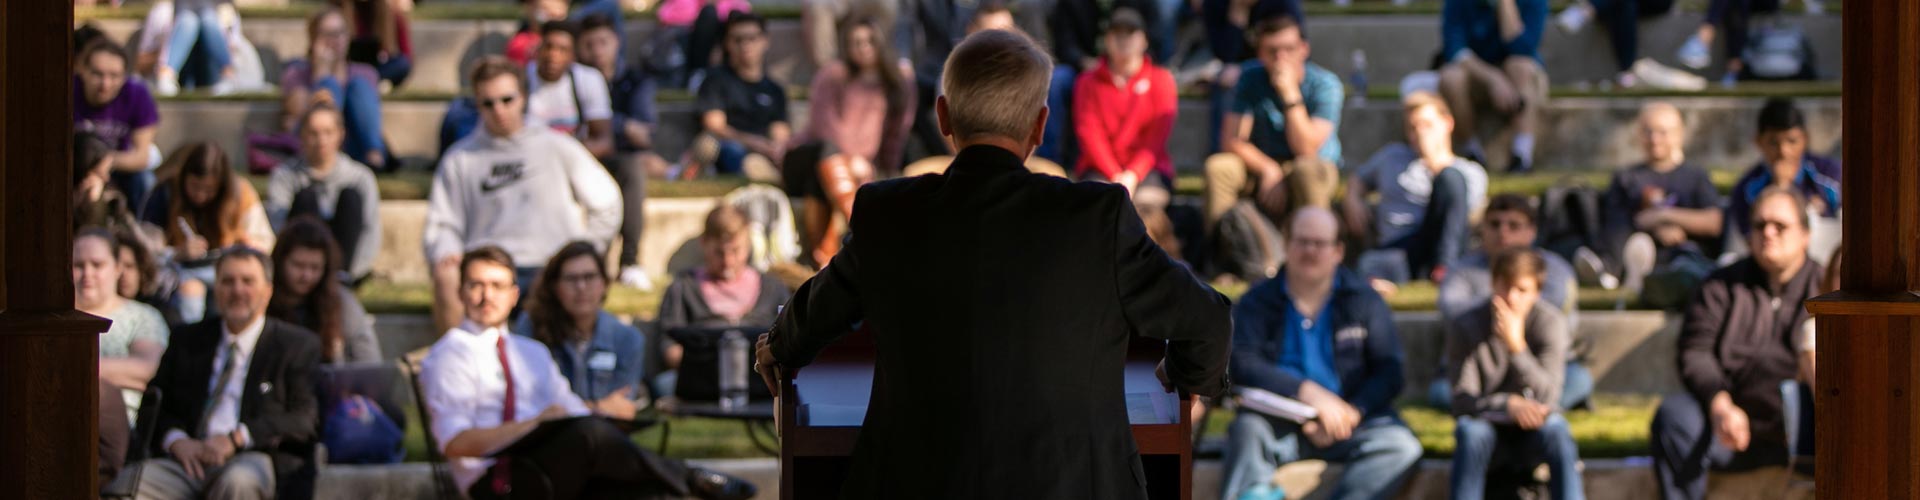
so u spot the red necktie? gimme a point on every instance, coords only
(500, 473)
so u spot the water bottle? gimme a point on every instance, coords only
(733, 370)
(1358, 79)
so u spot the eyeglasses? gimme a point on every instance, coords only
(501, 102)
(1762, 225)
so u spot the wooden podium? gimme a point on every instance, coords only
(822, 406)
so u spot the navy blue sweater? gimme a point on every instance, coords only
(1366, 347)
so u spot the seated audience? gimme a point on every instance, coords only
(1510, 226)
(600, 357)
(932, 28)
(204, 207)
(141, 278)
(635, 120)
(195, 53)
(338, 190)
(1281, 135)
(724, 291)
(120, 111)
(96, 201)
(1492, 54)
(527, 189)
(1319, 335)
(566, 96)
(1735, 18)
(743, 111)
(1227, 22)
(327, 78)
(307, 294)
(252, 434)
(1426, 198)
(1741, 339)
(1785, 163)
(1622, 21)
(131, 348)
(381, 37)
(822, 24)
(1661, 217)
(1508, 355)
(535, 14)
(614, 11)
(484, 422)
(860, 110)
(1075, 28)
(1123, 113)
(699, 27)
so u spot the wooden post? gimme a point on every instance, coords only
(48, 406)
(1865, 409)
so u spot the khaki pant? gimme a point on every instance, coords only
(245, 476)
(758, 168)
(1308, 181)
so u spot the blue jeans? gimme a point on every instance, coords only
(1575, 390)
(1441, 237)
(732, 159)
(133, 184)
(359, 102)
(1622, 18)
(1482, 447)
(1685, 449)
(196, 32)
(395, 69)
(1378, 455)
(1056, 141)
(1163, 26)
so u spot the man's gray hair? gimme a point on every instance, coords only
(996, 83)
(243, 252)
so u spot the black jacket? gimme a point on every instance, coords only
(1738, 337)
(277, 401)
(1002, 304)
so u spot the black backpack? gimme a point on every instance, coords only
(1248, 244)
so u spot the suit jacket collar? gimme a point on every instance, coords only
(986, 160)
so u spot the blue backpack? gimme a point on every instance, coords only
(357, 431)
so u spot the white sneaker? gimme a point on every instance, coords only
(636, 278)
(1695, 53)
(225, 87)
(1574, 18)
(1590, 269)
(166, 86)
(1636, 261)
(1666, 77)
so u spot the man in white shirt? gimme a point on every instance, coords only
(491, 395)
(569, 97)
(238, 413)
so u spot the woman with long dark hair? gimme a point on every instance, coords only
(600, 356)
(861, 110)
(307, 292)
(202, 206)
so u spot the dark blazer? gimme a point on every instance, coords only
(1738, 337)
(1002, 304)
(1366, 349)
(277, 401)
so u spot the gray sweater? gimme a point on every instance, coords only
(289, 179)
(530, 194)
(1485, 372)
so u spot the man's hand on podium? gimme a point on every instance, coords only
(766, 365)
(1160, 372)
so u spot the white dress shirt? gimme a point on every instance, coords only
(466, 390)
(225, 418)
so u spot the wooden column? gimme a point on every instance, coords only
(48, 411)
(1866, 410)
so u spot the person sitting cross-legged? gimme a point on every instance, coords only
(1508, 356)
(1745, 333)
(487, 391)
(1318, 334)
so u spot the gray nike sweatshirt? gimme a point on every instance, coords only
(529, 194)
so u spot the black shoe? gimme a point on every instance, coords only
(710, 485)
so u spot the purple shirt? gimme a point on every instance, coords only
(115, 122)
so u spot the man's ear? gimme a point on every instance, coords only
(942, 117)
(1039, 133)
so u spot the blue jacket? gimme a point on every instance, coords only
(613, 340)
(1366, 348)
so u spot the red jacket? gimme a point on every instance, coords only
(1124, 129)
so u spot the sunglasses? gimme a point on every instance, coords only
(501, 102)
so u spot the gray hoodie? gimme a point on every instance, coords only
(530, 194)
(289, 179)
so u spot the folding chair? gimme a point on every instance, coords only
(127, 484)
(443, 486)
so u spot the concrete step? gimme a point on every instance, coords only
(1576, 133)
(444, 47)
(672, 225)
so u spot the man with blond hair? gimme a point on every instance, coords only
(1427, 195)
(1002, 303)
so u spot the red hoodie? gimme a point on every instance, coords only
(1124, 128)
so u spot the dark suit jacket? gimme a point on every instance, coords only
(1002, 304)
(277, 401)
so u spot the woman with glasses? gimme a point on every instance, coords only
(600, 356)
(327, 77)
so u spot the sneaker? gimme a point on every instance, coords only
(225, 87)
(1665, 77)
(1574, 18)
(636, 278)
(1588, 267)
(710, 485)
(1636, 261)
(166, 86)
(1694, 53)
